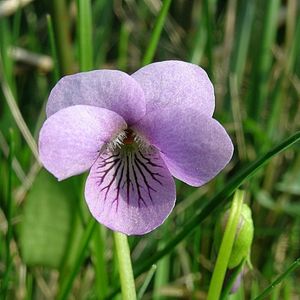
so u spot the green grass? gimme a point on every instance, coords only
(51, 248)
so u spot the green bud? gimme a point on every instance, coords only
(243, 238)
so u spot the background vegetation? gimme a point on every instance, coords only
(49, 245)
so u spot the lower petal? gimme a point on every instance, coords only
(130, 192)
(70, 140)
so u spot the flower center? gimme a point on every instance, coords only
(127, 141)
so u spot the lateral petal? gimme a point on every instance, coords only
(70, 140)
(194, 147)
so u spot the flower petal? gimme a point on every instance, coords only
(177, 85)
(132, 193)
(110, 89)
(194, 147)
(70, 140)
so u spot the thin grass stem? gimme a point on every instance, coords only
(15, 111)
(62, 35)
(279, 279)
(53, 47)
(85, 35)
(9, 233)
(99, 262)
(123, 47)
(146, 282)
(159, 24)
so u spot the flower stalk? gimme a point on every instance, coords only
(125, 267)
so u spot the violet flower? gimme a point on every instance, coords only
(134, 133)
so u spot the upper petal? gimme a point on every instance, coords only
(176, 85)
(110, 89)
(132, 193)
(194, 147)
(70, 140)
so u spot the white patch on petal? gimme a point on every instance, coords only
(116, 142)
(127, 140)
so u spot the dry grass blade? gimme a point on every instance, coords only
(19, 119)
(30, 178)
(8, 7)
(43, 62)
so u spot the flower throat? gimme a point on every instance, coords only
(128, 141)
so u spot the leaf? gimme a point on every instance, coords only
(46, 227)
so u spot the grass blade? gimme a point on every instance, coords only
(156, 33)
(53, 48)
(209, 9)
(146, 282)
(85, 34)
(9, 233)
(123, 46)
(270, 288)
(241, 46)
(264, 58)
(68, 282)
(98, 257)
(62, 35)
(199, 40)
(16, 113)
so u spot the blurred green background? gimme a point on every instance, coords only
(49, 246)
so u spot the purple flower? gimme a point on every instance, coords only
(134, 133)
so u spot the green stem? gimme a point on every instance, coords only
(156, 33)
(217, 280)
(231, 280)
(125, 267)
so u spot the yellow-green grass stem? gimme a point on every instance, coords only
(218, 276)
